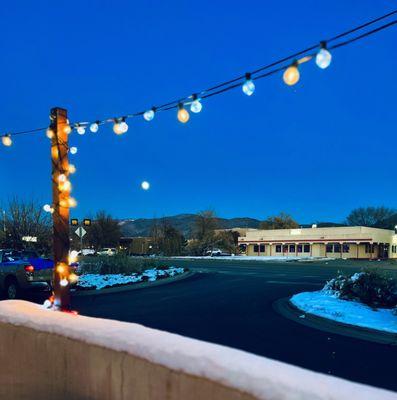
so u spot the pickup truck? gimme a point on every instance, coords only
(22, 271)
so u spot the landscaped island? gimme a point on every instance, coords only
(366, 299)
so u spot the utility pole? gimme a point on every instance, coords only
(60, 195)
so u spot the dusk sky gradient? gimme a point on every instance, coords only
(316, 150)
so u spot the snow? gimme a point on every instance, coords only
(254, 258)
(327, 305)
(261, 377)
(99, 281)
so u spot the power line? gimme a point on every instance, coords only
(228, 85)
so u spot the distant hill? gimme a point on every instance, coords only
(183, 222)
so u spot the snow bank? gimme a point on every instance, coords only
(98, 281)
(261, 377)
(327, 305)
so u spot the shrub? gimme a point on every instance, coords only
(370, 287)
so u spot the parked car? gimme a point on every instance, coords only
(87, 252)
(23, 271)
(107, 251)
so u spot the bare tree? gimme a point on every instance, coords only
(205, 224)
(104, 231)
(370, 216)
(281, 221)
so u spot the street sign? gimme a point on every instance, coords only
(80, 232)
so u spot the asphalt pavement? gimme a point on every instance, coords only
(231, 303)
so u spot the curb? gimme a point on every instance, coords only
(133, 286)
(288, 310)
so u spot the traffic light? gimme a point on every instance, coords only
(74, 222)
(87, 222)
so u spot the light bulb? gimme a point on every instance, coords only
(71, 169)
(65, 186)
(68, 129)
(183, 115)
(94, 127)
(120, 127)
(6, 140)
(323, 57)
(73, 150)
(145, 185)
(72, 202)
(291, 75)
(74, 253)
(64, 282)
(61, 268)
(50, 133)
(47, 208)
(81, 130)
(196, 105)
(248, 86)
(73, 278)
(149, 114)
(62, 178)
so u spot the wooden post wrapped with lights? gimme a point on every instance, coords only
(59, 131)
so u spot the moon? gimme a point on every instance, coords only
(145, 185)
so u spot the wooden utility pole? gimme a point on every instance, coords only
(60, 195)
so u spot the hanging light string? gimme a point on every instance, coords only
(289, 64)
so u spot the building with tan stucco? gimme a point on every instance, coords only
(336, 242)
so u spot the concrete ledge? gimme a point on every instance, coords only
(52, 355)
(133, 286)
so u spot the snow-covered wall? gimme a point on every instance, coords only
(48, 355)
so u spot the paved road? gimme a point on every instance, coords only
(230, 303)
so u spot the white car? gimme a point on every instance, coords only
(107, 251)
(87, 252)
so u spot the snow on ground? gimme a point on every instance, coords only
(97, 281)
(254, 258)
(326, 305)
(261, 377)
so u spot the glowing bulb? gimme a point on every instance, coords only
(73, 278)
(323, 57)
(72, 202)
(149, 114)
(94, 127)
(74, 253)
(196, 105)
(62, 178)
(183, 115)
(73, 150)
(81, 130)
(71, 169)
(68, 129)
(6, 140)
(61, 268)
(291, 75)
(65, 186)
(50, 133)
(248, 86)
(47, 208)
(64, 282)
(145, 185)
(120, 127)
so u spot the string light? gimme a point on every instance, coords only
(248, 86)
(120, 126)
(72, 202)
(71, 169)
(6, 140)
(64, 282)
(94, 127)
(149, 114)
(81, 129)
(73, 278)
(183, 115)
(65, 186)
(323, 57)
(68, 129)
(196, 105)
(50, 133)
(73, 150)
(47, 208)
(291, 74)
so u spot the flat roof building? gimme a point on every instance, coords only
(336, 242)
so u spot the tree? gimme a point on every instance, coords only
(205, 224)
(27, 218)
(370, 216)
(104, 231)
(167, 239)
(281, 221)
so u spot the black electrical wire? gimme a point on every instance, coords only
(231, 84)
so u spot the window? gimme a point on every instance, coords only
(256, 248)
(285, 248)
(292, 248)
(299, 248)
(306, 248)
(346, 248)
(369, 248)
(262, 248)
(337, 248)
(329, 248)
(278, 248)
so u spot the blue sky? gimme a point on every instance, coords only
(315, 150)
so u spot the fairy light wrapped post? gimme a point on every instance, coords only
(59, 131)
